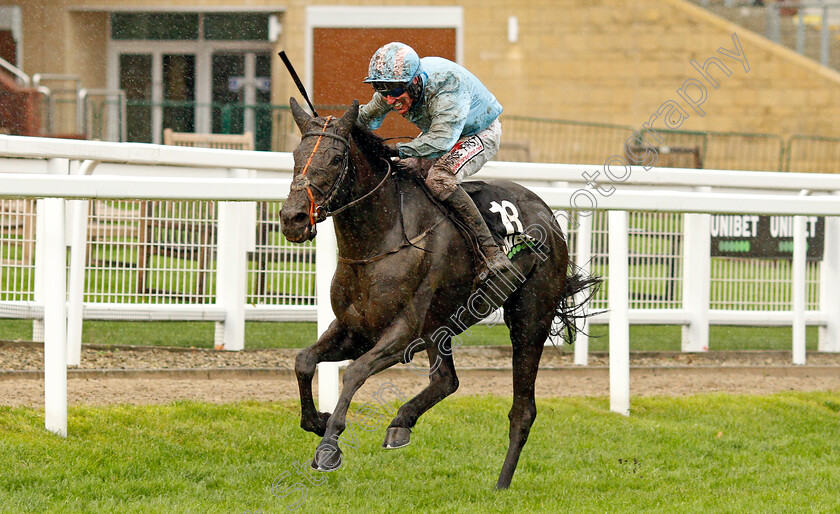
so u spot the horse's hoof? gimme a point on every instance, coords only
(327, 458)
(396, 437)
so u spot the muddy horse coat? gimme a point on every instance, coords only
(405, 280)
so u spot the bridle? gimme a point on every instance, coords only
(302, 181)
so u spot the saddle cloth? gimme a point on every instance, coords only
(503, 217)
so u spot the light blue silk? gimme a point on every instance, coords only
(454, 103)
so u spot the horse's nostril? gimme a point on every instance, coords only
(299, 218)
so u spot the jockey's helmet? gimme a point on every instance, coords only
(393, 63)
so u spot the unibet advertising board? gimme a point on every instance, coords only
(769, 237)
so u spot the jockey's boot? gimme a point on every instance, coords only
(496, 272)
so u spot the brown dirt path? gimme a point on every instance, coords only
(267, 375)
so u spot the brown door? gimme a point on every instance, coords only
(341, 59)
(7, 46)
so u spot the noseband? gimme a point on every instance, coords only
(305, 183)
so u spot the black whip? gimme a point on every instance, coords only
(295, 77)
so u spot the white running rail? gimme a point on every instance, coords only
(41, 168)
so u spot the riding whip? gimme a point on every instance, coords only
(298, 83)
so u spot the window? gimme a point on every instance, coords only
(236, 26)
(155, 26)
(188, 26)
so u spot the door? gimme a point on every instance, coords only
(179, 109)
(136, 80)
(160, 91)
(8, 47)
(340, 65)
(10, 34)
(242, 95)
(164, 89)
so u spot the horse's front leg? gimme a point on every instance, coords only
(335, 344)
(387, 352)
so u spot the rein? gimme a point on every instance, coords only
(315, 209)
(406, 243)
(305, 183)
(357, 200)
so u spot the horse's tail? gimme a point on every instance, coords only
(572, 308)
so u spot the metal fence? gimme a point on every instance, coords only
(808, 27)
(655, 253)
(656, 267)
(813, 154)
(164, 252)
(816, 27)
(529, 139)
(159, 253)
(715, 150)
(17, 250)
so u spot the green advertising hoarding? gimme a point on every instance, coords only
(766, 237)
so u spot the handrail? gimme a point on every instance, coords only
(81, 109)
(17, 72)
(59, 77)
(38, 77)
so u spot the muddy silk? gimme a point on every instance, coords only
(453, 98)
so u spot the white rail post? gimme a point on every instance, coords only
(697, 276)
(55, 308)
(583, 260)
(800, 243)
(237, 235)
(619, 305)
(326, 259)
(78, 231)
(76, 285)
(39, 286)
(829, 335)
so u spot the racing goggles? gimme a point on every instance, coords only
(392, 89)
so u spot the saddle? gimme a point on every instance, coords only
(498, 209)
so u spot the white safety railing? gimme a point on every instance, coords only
(41, 168)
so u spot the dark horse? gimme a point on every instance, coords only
(405, 280)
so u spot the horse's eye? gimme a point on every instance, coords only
(337, 160)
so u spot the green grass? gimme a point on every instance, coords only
(300, 335)
(705, 453)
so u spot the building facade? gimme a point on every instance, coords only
(188, 67)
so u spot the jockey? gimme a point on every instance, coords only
(458, 118)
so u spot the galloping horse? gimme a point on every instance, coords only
(405, 280)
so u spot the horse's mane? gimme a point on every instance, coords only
(373, 146)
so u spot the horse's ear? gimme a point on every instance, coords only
(301, 116)
(349, 119)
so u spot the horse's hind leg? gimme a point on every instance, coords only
(335, 344)
(442, 382)
(530, 323)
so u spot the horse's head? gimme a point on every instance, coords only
(321, 162)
